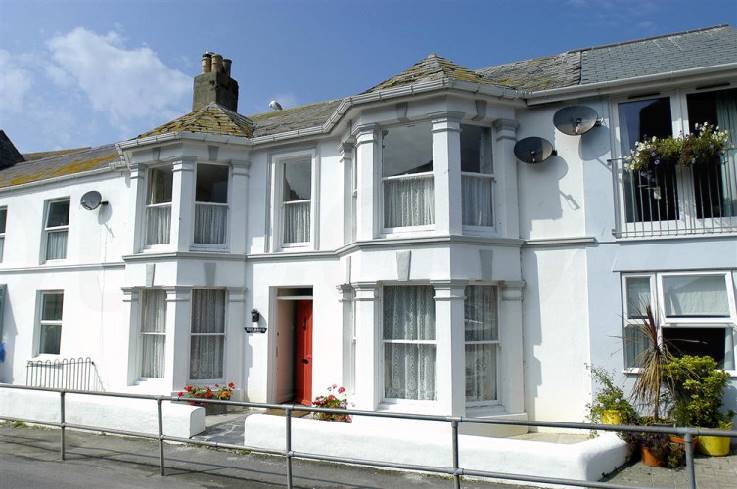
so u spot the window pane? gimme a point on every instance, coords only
(480, 313)
(409, 371)
(643, 119)
(695, 296)
(210, 224)
(297, 180)
(153, 311)
(409, 313)
(296, 222)
(475, 149)
(480, 372)
(635, 343)
(56, 245)
(638, 296)
(212, 183)
(52, 307)
(58, 214)
(159, 186)
(477, 201)
(206, 357)
(208, 311)
(158, 225)
(409, 202)
(3, 219)
(714, 342)
(50, 340)
(407, 149)
(152, 356)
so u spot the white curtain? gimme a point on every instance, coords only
(726, 105)
(158, 225)
(56, 245)
(208, 334)
(409, 201)
(2, 248)
(728, 349)
(153, 327)
(695, 295)
(481, 358)
(409, 366)
(477, 201)
(210, 224)
(635, 342)
(297, 222)
(638, 296)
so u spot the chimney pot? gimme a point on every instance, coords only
(226, 66)
(206, 63)
(217, 63)
(214, 84)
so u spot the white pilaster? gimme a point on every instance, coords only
(235, 338)
(176, 349)
(345, 150)
(367, 159)
(446, 154)
(450, 360)
(182, 205)
(367, 346)
(512, 388)
(131, 307)
(238, 196)
(137, 209)
(505, 171)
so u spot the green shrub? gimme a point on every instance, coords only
(609, 397)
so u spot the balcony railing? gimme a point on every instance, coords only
(676, 201)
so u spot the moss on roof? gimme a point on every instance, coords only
(561, 70)
(212, 119)
(45, 154)
(300, 117)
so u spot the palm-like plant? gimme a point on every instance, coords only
(648, 387)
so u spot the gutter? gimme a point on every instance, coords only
(50, 181)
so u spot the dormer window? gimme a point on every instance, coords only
(477, 175)
(56, 229)
(407, 171)
(158, 206)
(211, 205)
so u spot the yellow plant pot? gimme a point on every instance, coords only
(611, 416)
(714, 446)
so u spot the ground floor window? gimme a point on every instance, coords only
(52, 310)
(409, 342)
(153, 333)
(208, 334)
(482, 343)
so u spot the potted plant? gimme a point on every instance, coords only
(652, 385)
(698, 389)
(335, 398)
(609, 406)
(217, 392)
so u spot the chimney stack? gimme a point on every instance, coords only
(214, 84)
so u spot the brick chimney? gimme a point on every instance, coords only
(214, 84)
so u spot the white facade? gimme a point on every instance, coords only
(548, 253)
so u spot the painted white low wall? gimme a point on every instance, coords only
(429, 443)
(139, 415)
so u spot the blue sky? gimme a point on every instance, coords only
(85, 73)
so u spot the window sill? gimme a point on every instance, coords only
(210, 248)
(409, 406)
(43, 357)
(494, 408)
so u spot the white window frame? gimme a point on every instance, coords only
(389, 232)
(146, 206)
(141, 333)
(41, 323)
(224, 334)
(695, 321)
(208, 246)
(635, 322)
(393, 403)
(482, 230)
(497, 342)
(3, 208)
(277, 205)
(54, 229)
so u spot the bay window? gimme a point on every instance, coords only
(477, 176)
(296, 201)
(158, 205)
(211, 205)
(409, 342)
(208, 334)
(153, 333)
(482, 343)
(50, 323)
(407, 175)
(56, 229)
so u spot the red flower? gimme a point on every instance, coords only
(217, 385)
(341, 390)
(188, 388)
(180, 394)
(231, 385)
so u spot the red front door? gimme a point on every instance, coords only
(303, 352)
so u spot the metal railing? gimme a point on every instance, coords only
(67, 373)
(455, 470)
(674, 201)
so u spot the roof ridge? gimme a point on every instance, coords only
(650, 38)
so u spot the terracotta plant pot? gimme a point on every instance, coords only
(682, 441)
(649, 458)
(611, 416)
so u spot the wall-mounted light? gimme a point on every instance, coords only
(255, 316)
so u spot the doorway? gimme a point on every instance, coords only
(294, 346)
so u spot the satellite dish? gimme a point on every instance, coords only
(533, 150)
(91, 200)
(576, 120)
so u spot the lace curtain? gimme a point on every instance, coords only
(158, 224)
(153, 327)
(56, 245)
(635, 343)
(726, 105)
(481, 333)
(297, 222)
(210, 224)
(208, 334)
(409, 349)
(638, 296)
(477, 201)
(409, 201)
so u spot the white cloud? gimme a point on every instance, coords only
(15, 83)
(126, 84)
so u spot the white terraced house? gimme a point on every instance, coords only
(391, 241)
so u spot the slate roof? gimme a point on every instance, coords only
(212, 118)
(433, 67)
(302, 117)
(561, 70)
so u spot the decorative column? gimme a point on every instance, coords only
(446, 153)
(512, 388)
(182, 203)
(450, 368)
(367, 345)
(346, 298)
(176, 349)
(238, 208)
(131, 307)
(505, 171)
(137, 209)
(345, 150)
(235, 338)
(369, 181)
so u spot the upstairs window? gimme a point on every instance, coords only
(407, 171)
(158, 205)
(56, 229)
(3, 221)
(296, 201)
(211, 206)
(477, 176)
(50, 322)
